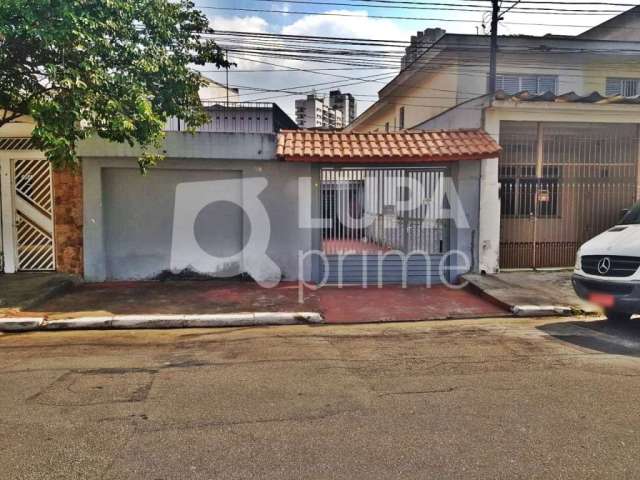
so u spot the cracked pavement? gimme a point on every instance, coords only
(495, 398)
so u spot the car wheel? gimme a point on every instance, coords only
(617, 317)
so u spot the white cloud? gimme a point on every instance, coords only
(238, 24)
(241, 24)
(360, 27)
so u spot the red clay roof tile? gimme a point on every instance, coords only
(399, 147)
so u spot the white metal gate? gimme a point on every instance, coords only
(376, 231)
(33, 204)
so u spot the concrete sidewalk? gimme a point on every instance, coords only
(173, 302)
(25, 290)
(532, 293)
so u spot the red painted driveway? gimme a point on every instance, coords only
(338, 305)
(394, 303)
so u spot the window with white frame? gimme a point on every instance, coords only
(627, 87)
(512, 83)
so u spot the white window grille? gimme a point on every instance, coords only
(627, 87)
(513, 84)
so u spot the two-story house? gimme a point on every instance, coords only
(566, 113)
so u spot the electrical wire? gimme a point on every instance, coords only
(454, 7)
(395, 17)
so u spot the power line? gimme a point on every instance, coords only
(302, 54)
(450, 7)
(512, 7)
(304, 39)
(437, 63)
(240, 39)
(315, 70)
(308, 37)
(608, 4)
(378, 78)
(386, 55)
(330, 54)
(390, 17)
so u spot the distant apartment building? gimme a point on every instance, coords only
(345, 103)
(316, 112)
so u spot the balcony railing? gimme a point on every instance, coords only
(239, 117)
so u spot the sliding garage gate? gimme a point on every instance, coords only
(383, 225)
(562, 184)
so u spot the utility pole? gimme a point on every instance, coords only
(226, 54)
(493, 55)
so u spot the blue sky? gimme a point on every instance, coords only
(363, 25)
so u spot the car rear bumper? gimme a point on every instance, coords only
(626, 294)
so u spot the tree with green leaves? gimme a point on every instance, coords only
(117, 69)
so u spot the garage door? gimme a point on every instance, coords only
(139, 215)
(376, 232)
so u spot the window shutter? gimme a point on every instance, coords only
(510, 84)
(614, 87)
(530, 84)
(629, 88)
(547, 84)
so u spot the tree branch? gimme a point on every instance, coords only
(8, 117)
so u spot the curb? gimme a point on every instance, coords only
(28, 324)
(20, 324)
(480, 292)
(540, 310)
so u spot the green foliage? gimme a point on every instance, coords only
(113, 68)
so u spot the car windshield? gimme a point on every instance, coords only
(632, 217)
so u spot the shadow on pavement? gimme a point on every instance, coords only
(601, 336)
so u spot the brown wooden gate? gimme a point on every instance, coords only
(562, 184)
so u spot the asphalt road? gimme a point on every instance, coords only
(462, 399)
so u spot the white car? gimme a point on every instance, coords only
(607, 270)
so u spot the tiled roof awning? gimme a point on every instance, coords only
(311, 146)
(569, 97)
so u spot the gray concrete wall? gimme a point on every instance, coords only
(466, 178)
(129, 219)
(207, 145)
(464, 115)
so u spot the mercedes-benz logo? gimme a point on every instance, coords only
(604, 265)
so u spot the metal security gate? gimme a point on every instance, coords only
(383, 225)
(33, 204)
(562, 184)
